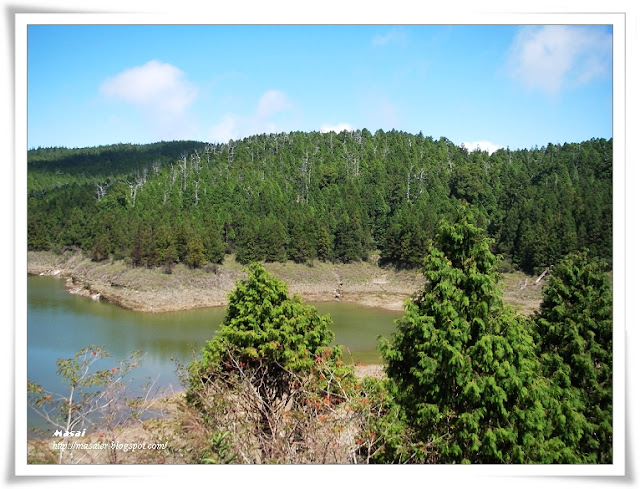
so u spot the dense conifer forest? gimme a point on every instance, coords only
(308, 195)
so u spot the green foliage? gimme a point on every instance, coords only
(143, 247)
(248, 249)
(324, 249)
(270, 333)
(466, 381)
(329, 196)
(194, 252)
(348, 240)
(303, 238)
(462, 364)
(385, 436)
(214, 247)
(220, 451)
(406, 240)
(101, 247)
(272, 357)
(273, 239)
(165, 249)
(575, 343)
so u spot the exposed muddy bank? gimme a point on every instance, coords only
(153, 290)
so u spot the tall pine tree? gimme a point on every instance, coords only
(463, 365)
(575, 342)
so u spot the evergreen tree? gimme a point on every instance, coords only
(302, 243)
(273, 239)
(324, 247)
(194, 251)
(406, 238)
(73, 233)
(101, 247)
(247, 246)
(265, 325)
(347, 247)
(143, 247)
(539, 204)
(165, 250)
(272, 339)
(38, 233)
(213, 245)
(575, 342)
(462, 365)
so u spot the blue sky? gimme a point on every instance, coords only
(483, 85)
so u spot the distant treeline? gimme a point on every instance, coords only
(326, 196)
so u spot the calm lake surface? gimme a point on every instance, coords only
(59, 324)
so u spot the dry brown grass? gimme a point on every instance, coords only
(313, 432)
(521, 292)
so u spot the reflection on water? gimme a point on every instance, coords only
(357, 328)
(60, 324)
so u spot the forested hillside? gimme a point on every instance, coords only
(326, 196)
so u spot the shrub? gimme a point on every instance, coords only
(271, 364)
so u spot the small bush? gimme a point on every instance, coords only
(270, 365)
(505, 265)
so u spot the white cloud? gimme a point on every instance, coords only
(554, 56)
(155, 84)
(337, 128)
(381, 111)
(226, 129)
(160, 91)
(272, 102)
(395, 35)
(272, 105)
(487, 146)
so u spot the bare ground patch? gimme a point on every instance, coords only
(153, 290)
(521, 291)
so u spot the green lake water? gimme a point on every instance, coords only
(59, 324)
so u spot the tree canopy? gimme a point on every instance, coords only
(574, 328)
(275, 336)
(305, 196)
(466, 371)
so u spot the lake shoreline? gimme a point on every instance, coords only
(152, 290)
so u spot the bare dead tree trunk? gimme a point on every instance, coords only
(183, 167)
(306, 177)
(101, 190)
(541, 277)
(195, 161)
(139, 181)
(421, 178)
(409, 184)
